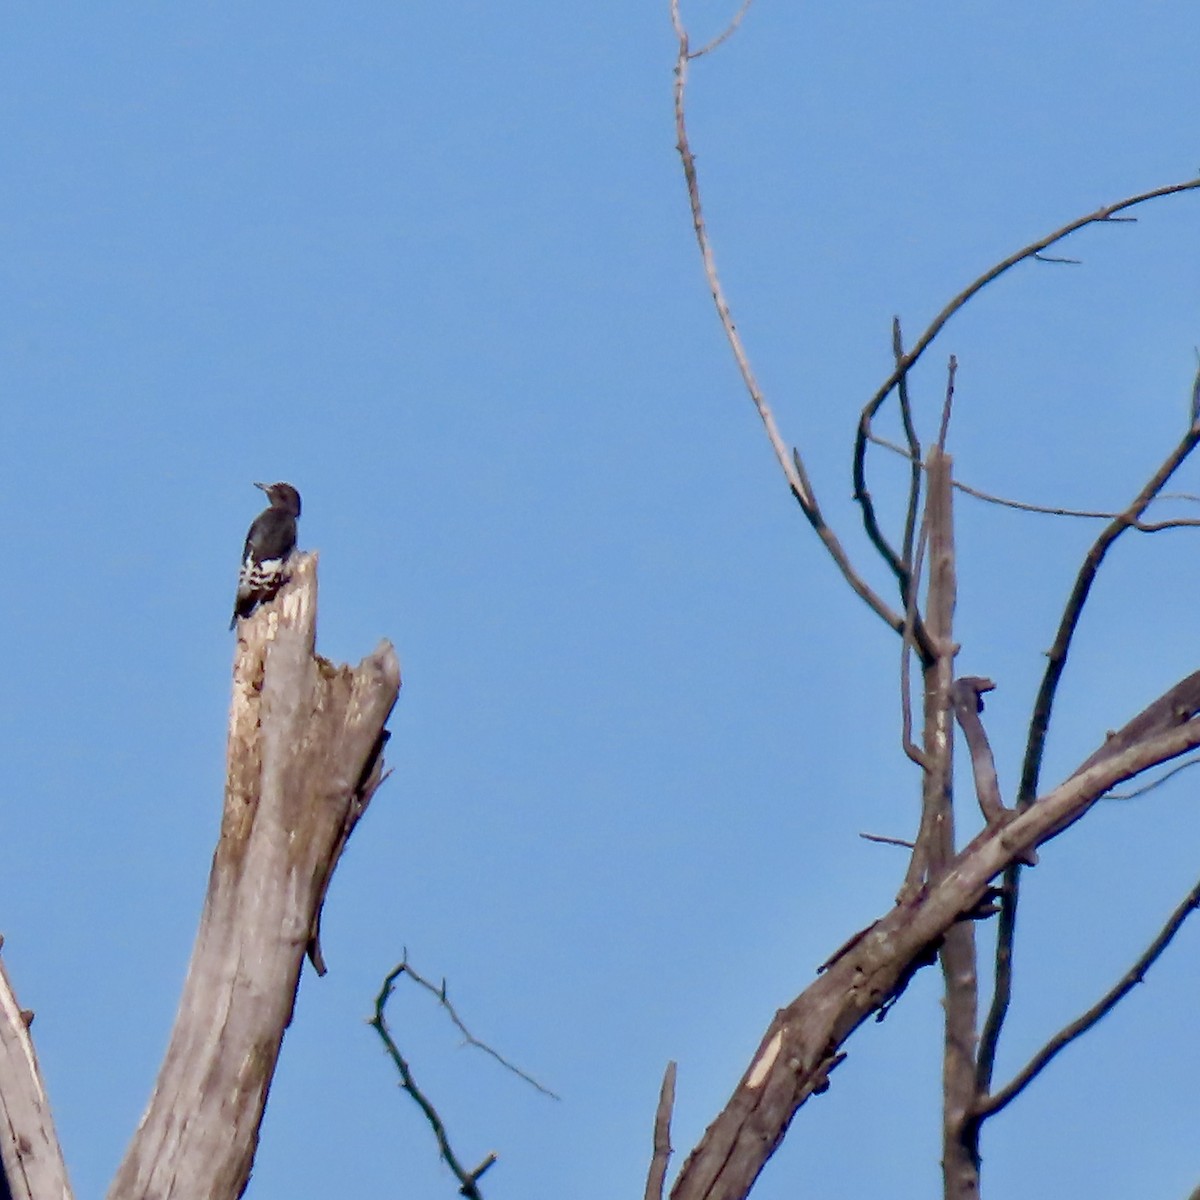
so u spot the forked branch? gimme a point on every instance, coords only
(1039, 726)
(468, 1179)
(804, 1040)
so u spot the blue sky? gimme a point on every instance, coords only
(434, 266)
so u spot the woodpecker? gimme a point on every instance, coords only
(271, 538)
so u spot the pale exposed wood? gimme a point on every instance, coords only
(303, 761)
(802, 1042)
(32, 1158)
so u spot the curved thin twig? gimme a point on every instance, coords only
(913, 508)
(863, 434)
(782, 456)
(790, 463)
(1102, 215)
(1057, 655)
(468, 1179)
(1035, 745)
(1135, 975)
(469, 1038)
(724, 36)
(1154, 783)
(1050, 510)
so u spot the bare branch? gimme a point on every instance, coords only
(1057, 655)
(968, 704)
(860, 587)
(728, 32)
(804, 1039)
(871, 525)
(913, 508)
(468, 1179)
(1195, 405)
(405, 968)
(865, 433)
(935, 837)
(935, 841)
(887, 841)
(790, 464)
(662, 1136)
(1106, 214)
(948, 403)
(1135, 975)
(1154, 783)
(1006, 929)
(1173, 708)
(1054, 511)
(1159, 526)
(911, 750)
(710, 267)
(1170, 710)
(1039, 727)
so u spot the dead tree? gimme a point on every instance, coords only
(947, 886)
(305, 755)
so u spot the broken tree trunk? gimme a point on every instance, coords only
(304, 758)
(33, 1167)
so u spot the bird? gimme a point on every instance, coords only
(269, 541)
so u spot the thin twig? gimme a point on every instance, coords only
(469, 1038)
(1195, 406)
(791, 463)
(884, 840)
(662, 1136)
(1039, 726)
(1154, 783)
(1073, 611)
(1135, 975)
(729, 31)
(710, 267)
(864, 432)
(1094, 514)
(1006, 930)
(911, 749)
(468, 1179)
(948, 403)
(860, 587)
(872, 527)
(1106, 214)
(912, 510)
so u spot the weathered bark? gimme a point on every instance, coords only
(304, 757)
(802, 1043)
(33, 1166)
(960, 1173)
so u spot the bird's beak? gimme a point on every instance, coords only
(264, 486)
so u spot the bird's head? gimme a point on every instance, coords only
(282, 495)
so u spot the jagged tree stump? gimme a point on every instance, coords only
(304, 758)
